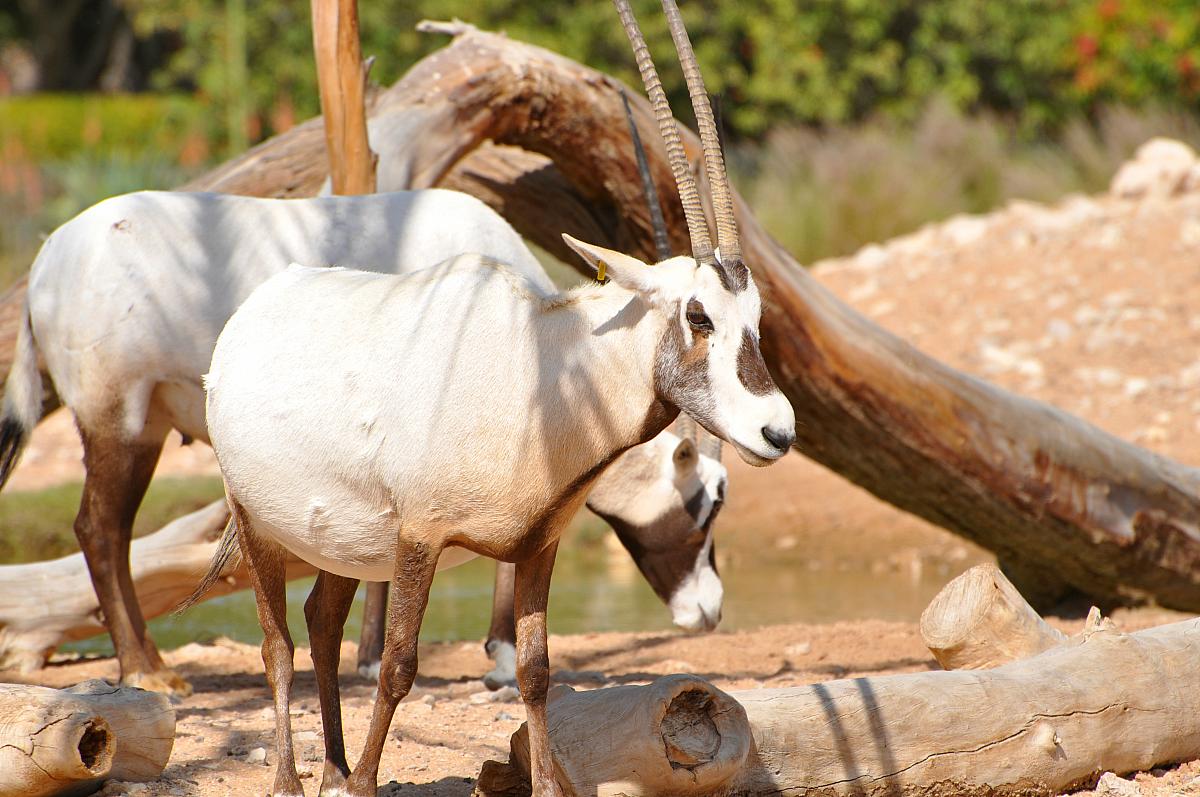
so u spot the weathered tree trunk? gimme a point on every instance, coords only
(979, 620)
(1019, 477)
(44, 604)
(65, 741)
(1101, 701)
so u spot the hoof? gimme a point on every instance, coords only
(167, 682)
(369, 671)
(505, 672)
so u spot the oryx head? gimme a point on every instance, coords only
(662, 499)
(708, 363)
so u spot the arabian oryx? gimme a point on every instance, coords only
(381, 426)
(125, 303)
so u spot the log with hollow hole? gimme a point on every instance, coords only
(66, 741)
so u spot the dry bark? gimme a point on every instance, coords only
(980, 620)
(66, 741)
(1057, 499)
(342, 79)
(44, 604)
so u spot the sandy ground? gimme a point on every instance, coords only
(1088, 305)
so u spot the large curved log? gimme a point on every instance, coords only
(1056, 498)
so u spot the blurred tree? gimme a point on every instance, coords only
(777, 61)
(83, 45)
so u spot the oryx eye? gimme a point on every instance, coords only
(697, 318)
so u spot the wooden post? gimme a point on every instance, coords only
(342, 79)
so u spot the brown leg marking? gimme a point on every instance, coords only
(533, 664)
(326, 610)
(117, 475)
(265, 561)
(370, 643)
(415, 565)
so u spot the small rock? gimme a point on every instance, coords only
(120, 787)
(1161, 167)
(504, 716)
(306, 736)
(428, 699)
(505, 694)
(1111, 783)
(257, 756)
(799, 649)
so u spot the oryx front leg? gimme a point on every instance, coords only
(325, 611)
(533, 664)
(266, 562)
(416, 562)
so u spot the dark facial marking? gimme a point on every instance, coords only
(751, 370)
(734, 276)
(681, 374)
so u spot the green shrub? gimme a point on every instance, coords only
(38, 525)
(56, 126)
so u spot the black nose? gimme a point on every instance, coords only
(780, 438)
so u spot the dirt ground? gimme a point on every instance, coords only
(1088, 305)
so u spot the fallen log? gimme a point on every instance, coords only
(678, 735)
(980, 620)
(1022, 478)
(44, 604)
(66, 741)
(1102, 701)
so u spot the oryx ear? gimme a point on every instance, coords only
(628, 272)
(685, 456)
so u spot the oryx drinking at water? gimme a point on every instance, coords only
(381, 426)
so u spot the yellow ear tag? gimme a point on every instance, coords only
(600, 272)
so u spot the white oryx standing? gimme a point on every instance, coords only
(380, 427)
(125, 303)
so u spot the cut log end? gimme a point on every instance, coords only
(689, 734)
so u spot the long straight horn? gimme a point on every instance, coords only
(689, 195)
(662, 242)
(718, 180)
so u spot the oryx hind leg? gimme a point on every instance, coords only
(118, 471)
(325, 611)
(416, 563)
(265, 560)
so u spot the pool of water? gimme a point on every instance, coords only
(597, 588)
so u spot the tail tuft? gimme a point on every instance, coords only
(22, 407)
(227, 557)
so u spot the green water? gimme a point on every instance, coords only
(597, 588)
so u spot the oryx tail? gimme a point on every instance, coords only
(22, 407)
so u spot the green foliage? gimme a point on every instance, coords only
(824, 62)
(55, 126)
(37, 525)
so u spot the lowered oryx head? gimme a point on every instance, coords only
(661, 499)
(708, 364)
